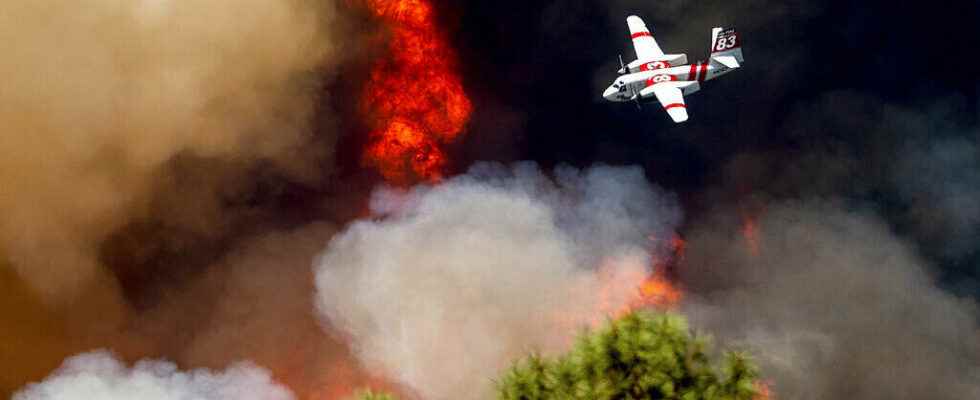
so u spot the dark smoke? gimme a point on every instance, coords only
(919, 168)
(834, 305)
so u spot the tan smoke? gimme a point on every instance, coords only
(99, 98)
(256, 304)
(114, 113)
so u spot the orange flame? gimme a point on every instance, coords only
(653, 290)
(657, 290)
(415, 98)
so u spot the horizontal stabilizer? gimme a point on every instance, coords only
(728, 61)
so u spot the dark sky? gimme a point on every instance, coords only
(834, 101)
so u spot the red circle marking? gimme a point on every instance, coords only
(660, 79)
(654, 65)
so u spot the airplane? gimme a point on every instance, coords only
(667, 76)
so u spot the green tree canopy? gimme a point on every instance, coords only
(371, 395)
(643, 355)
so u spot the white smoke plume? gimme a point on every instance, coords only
(100, 376)
(457, 280)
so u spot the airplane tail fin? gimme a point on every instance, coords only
(726, 47)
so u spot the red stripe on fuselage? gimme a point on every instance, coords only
(704, 72)
(694, 72)
(674, 105)
(641, 34)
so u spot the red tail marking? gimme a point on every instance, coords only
(641, 34)
(674, 105)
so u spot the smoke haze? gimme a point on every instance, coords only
(834, 305)
(485, 267)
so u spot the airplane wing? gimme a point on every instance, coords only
(670, 97)
(643, 42)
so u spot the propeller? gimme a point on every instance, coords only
(622, 66)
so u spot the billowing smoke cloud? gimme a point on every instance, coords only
(834, 305)
(137, 134)
(100, 376)
(100, 100)
(457, 280)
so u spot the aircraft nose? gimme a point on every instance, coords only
(610, 91)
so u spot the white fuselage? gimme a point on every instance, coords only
(626, 86)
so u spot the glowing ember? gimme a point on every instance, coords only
(763, 391)
(678, 246)
(750, 231)
(415, 98)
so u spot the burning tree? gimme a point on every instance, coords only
(642, 355)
